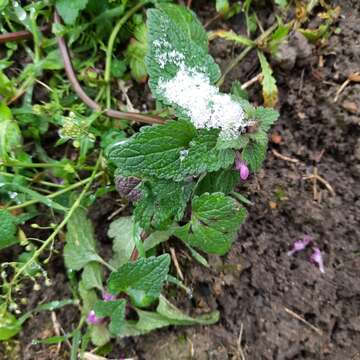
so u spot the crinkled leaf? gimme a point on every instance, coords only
(115, 310)
(8, 227)
(69, 9)
(142, 280)
(166, 314)
(254, 154)
(80, 246)
(270, 90)
(162, 202)
(266, 117)
(214, 223)
(122, 232)
(92, 276)
(171, 151)
(154, 151)
(176, 38)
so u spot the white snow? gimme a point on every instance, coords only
(203, 103)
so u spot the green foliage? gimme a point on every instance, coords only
(8, 228)
(69, 10)
(136, 52)
(80, 246)
(115, 310)
(171, 151)
(10, 135)
(166, 314)
(214, 222)
(121, 231)
(142, 280)
(270, 90)
(92, 276)
(162, 203)
(176, 37)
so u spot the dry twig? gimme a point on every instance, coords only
(176, 263)
(354, 77)
(298, 317)
(283, 157)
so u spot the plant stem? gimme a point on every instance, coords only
(110, 47)
(55, 194)
(51, 238)
(41, 182)
(242, 55)
(42, 165)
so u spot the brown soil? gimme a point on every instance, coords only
(284, 307)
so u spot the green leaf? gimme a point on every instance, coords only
(136, 52)
(75, 345)
(9, 325)
(270, 90)
(156, 238)
(187, 21)
(88, 297)
(222, 7)
(231, 36)
(166, 314)
(7, 88)
(122, 232)
(170, 151)
(8, 228)
(69, 10)
(154, 151)
(10, 134)
(176, 38)
(278, 37)
(100, 335)
(80, 242)
(162, 202)
(266, 117)
(281, 3)
(220, 181)
(214, 223)
(115, 310)
(92, 276)
(254, 154)
(142, 280)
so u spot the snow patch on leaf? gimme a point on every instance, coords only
(203, 103)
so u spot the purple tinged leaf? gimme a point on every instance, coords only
(127, 187)
(300, 245)
(316, 258)
(93, 319)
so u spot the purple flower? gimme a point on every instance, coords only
(300, 245)
(243, 169)
(108, 297)
(316, 258)
(93, 319)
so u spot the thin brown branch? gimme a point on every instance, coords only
(86, 99)
(21, 35)
(283, 157)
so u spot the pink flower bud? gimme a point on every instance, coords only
(316, 258)
(300, 245)
(243, 169)
(108, 297)
(93, 319)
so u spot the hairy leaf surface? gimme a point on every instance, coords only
(214, 223)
